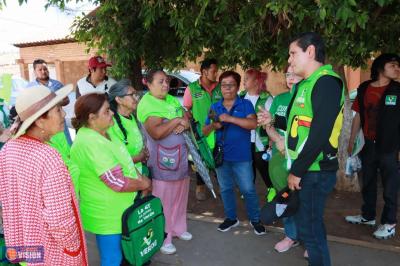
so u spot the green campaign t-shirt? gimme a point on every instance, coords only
(277, 164)
(101, 207)
(168, 108)
(60, 143)
(279, 106)
(134, 136)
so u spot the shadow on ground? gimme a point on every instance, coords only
(338, 206)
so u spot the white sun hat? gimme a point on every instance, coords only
(33, 102)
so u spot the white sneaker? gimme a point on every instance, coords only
(358, 219)
(168, 249)
(385, 231)
(185, 236)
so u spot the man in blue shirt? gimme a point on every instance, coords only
(233, 120)
(43, 78)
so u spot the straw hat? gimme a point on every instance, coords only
(33, 102)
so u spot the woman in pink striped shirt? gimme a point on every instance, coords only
(40, 214)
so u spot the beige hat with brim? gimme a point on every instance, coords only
(33, 102)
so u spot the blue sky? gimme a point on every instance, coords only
(32, 22)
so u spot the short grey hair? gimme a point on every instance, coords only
(119, 89)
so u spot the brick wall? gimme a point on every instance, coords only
(74, 70)
(70, 61)
(65, 52)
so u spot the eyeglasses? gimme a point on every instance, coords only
(133, 94)
(289, 74)
(228, 85)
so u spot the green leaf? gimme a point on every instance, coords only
(322, 13)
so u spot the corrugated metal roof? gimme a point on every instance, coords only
(44, 42)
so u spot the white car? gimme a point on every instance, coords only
(179, 81)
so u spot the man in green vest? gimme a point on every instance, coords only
(198, 97)
(314, 121)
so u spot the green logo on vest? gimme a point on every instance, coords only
(198, 94)
(300, 100)
(390, 100)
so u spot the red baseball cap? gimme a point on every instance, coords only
(97, 61)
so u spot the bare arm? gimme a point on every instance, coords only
(142, 156)
(207, 129)
(157, 129)
(355, 127)
(264, 119)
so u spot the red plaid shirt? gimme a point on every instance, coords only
(39, 204)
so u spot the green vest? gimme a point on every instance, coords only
(6, 122)
(201, 103)
(260, 132)
(300, 119)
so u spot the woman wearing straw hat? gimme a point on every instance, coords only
(123, 102)
(39, 205)
(108, 179)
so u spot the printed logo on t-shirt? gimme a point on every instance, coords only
(281, 110)
(198, 95)
(390, 100)
(173, 110)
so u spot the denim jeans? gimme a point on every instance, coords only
(289, 225)
(315, 188)
(240, 173)
(388, 167)
(110, 250)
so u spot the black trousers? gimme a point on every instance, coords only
(387, 163)
(260, 165)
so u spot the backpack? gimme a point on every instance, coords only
(143, 233)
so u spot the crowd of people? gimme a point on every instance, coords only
(54, 188)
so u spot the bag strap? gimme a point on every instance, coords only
(225, 127)
(138, 196)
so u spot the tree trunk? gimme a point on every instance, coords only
(135, 74)
(345, 183)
